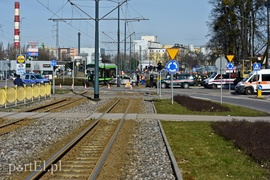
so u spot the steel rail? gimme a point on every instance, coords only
(45, 166)
(104, 155)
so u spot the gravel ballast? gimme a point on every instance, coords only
(146, 150)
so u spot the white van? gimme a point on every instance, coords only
(249, 84)
(215, 80)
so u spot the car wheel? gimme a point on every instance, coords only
(163, 85)
(185, 85)
(248, 91)
(214, 86)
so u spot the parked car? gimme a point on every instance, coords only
(179, 80)
(33, 78)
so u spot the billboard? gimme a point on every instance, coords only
(32, 48)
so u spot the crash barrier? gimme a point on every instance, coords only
(15, 95)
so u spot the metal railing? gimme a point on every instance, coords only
(15, 95)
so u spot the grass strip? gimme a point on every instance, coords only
(202, 154)
(164, 106)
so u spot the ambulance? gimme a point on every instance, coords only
(215, 80)
(249, 84)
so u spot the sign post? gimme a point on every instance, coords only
(230, 67)
(257, 67)
(20, 69)
(172, 66)
(221, 64)
(53, 63)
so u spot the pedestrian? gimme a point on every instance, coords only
(138, 80)
(91, 77)
(151, 80)
(143, 79)
(18, 81)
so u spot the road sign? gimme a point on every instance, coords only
(172, 52)
(221, 63)
(53, 62)
(230, 57)
(230, 66)
(259, 87)
(20, 68)
(20, 59)
(256, 66)
(172, 67)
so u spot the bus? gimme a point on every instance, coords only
(106, 71)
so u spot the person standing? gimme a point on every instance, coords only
(151, 80)
(138, 79)
(18, 81)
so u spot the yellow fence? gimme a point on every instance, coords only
(23, 94)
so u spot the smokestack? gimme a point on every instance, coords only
(17, 26)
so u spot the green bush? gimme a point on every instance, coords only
(68, 81)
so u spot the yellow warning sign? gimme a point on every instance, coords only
(172, 52)
(230, 57)
(20, 59)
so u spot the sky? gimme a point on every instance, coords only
(171, 21)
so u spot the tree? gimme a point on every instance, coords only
(237, 27)
(2, 51)
(45, 54)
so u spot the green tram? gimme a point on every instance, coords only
(105, 73)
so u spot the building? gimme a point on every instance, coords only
(142, 49)
(150, 52)
(66, 54)
(88, 54)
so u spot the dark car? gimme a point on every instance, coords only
(179, 80)
(33, 78)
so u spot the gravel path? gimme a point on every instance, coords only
(147, 152)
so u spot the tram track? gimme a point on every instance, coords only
(83, 157)
(8, 124)
(91, 147)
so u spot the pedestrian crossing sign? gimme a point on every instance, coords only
(256, 66)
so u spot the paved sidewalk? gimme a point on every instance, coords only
(164, 117)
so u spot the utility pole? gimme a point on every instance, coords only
(268, 35)
(118, 48)
(97, 19)
(96, 88)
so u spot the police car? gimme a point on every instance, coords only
(179, 80)
(33, 78)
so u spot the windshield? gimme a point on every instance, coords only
(248, 76)
(213, 75)
(38, 76)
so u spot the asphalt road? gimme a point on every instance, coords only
(226, 96)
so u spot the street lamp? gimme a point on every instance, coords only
(7, 70)
(21, 33)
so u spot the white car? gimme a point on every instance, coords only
(123, 80)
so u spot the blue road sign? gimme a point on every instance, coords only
(259, 87)
(230, 66)
(256, 66)
(53, 62)
(172, 67)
